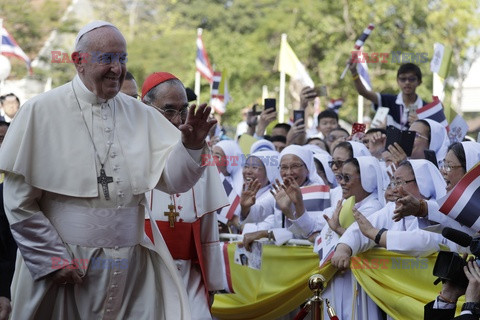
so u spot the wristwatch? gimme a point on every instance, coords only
(474, 307)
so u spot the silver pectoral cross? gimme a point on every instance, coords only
(104, 181)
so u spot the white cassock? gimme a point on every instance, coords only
(193, 240)
(59, 213)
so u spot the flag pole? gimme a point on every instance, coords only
(360, 109)
(2, 81)
(1, 38)
(197, 86)
(281, 105)
(197, 73)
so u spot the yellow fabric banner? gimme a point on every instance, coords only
(278, 288)
(399, 284)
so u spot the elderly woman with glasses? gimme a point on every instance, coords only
(461, 157)
(422, 180)
(297, 170)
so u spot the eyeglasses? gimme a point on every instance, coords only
(446, 167)
(418, 135)
(409, 79)
(345, 177)
(399, 183)
(173, 113)
(292, 167)
(337, 163)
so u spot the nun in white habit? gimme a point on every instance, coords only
(297, 163)
(342, 152)
(231, 163)
(425, 240)
(439, 140)
(340, 288)
(368, 198)
(422, 180)
(324, 170)
(268, 173)
(262, 145)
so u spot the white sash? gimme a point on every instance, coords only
(96, 227)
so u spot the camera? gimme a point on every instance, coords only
(449, 265)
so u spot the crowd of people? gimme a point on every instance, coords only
(116, 208)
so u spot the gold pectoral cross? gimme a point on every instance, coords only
(172, 215)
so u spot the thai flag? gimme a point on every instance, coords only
(202, 63)
(227, 213)
(463, 202)
(217, 77)
(363, 37)
(434, 111)
(316, 198)
(335, 104)
(362, 69)
(9, 47)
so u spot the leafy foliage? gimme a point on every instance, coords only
(244, 37)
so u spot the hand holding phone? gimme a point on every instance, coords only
(297, 115)
(270, 103)
(404, 138)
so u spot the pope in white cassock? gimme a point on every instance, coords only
(188, 221)
(78, 161)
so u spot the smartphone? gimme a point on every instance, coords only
(412, 109)
(393, 135)
(299, 114)
(430, 156)
(358, 127)
(406, 142)
(321, 91)
(270, 103)
(380, 117)
(404, 138)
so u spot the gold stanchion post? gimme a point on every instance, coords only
(316, 283)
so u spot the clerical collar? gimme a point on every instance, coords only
(84, 94)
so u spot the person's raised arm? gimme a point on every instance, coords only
(370, 95)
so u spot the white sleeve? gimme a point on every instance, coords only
(355, 239)
(309, 223)
(181, 171)
(38, 241)
(264, 207)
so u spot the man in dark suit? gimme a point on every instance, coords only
(8, 248)
(443, 308)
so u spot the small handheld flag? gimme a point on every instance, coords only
(359, 43)
(335, 104)
(434, 111)
(462, 203)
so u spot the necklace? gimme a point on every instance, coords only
(102, 179)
